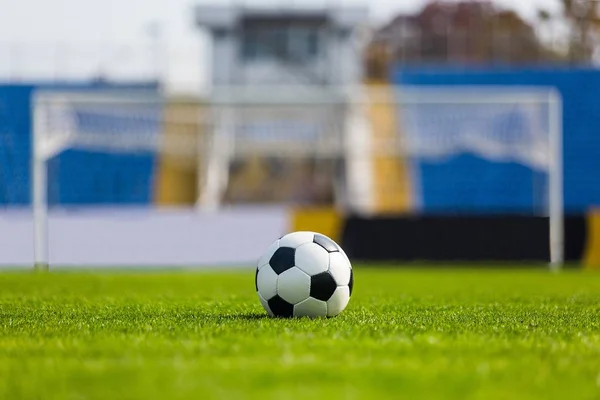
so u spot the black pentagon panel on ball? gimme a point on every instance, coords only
(256, 280)
(283, 259)
(351, 283)
(322, 286)
(281, 308)
(326, 243)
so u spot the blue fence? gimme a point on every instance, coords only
(510, 186)
(465, 182)
(77, 176)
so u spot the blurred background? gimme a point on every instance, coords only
(194, 133)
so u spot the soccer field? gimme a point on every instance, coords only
(409, 333)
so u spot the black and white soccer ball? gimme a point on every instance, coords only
(304, 274)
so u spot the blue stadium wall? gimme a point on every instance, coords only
(78, 177)
(508, 186)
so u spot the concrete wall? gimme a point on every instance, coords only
(145, 237)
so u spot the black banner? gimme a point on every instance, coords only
(459, 238)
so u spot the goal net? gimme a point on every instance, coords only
(362, 150)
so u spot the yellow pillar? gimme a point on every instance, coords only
(176, 175)
(391, 175)
(592, 251)
(325, 220)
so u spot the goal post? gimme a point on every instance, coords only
(337, 129)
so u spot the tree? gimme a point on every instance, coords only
(465, 32)
(583, 20)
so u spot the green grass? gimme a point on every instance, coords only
(415, 334)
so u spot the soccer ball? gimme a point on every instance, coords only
(304, 274)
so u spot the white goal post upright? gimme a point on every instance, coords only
(556, 186)
(343, 134)
(39, 192)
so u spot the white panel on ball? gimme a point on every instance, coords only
(266, 281)
(338, 301)
(312, 258)
(293, 285)
(264, 259)
(296, 239)
(310, 307)
(265, 304)
(339, 268)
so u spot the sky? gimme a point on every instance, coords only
(54, 39)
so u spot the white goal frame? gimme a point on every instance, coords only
(48, 144)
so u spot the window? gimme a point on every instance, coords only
(280, 42)
(304, 42)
